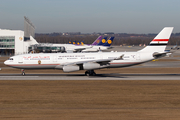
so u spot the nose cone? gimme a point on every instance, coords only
(6, 62)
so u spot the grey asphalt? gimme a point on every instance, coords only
(97, 77)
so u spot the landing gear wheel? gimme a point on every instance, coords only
(93, 74)
(90, 73)
(23, 73)
(87, 73)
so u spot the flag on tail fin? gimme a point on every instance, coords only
(159, 43)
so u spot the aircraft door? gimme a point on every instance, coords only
(137, 56)
(54, 58)
(20, 60)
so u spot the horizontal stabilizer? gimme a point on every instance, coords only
(159, 55)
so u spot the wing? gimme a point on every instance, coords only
(94, 61)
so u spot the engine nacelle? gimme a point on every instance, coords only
(71, 68)
(91, 66)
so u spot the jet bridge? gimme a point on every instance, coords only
(45, 48)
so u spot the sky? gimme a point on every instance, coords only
(88, 16)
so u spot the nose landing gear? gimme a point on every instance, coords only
(23, 73)
(90, 73)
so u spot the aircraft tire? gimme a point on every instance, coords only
(90, 73)
(87, 73)
(23, 74)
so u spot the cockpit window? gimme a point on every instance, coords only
(10, 59)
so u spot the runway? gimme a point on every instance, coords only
(150, 90)
(115, 76)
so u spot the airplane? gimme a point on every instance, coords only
(96, 42)
(101, 46)
(70, 62)
(70, 48)
(97, 45)
(175, 47)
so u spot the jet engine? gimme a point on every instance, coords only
(70, 68)
(91, 66)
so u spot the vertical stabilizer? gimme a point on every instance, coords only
(103, 41)
(109, 42)
(159, 43)
(97, 40)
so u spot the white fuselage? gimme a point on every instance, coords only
(58, 60)
(96, 48)
(83, 48)
(73, 47)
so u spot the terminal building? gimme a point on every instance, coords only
(14, 42)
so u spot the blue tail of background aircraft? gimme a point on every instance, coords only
(98, 41)
(78, 43)
(103, 41)
(82, 42)
(109, 42)
(74, 43)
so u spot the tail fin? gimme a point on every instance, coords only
(97, 40)
(159, 43)
(78, 43)
(74, 42)
(102, 41)
(82, 42)
(109, 42)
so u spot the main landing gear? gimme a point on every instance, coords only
(90, 73)
(23, 73)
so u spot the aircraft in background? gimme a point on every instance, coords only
(98, 45)
(175, 47)
(70, 48)
(94, 43)
(70, 62)
(101, 46)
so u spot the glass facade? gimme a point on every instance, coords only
(45, 49)
(7, 42)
